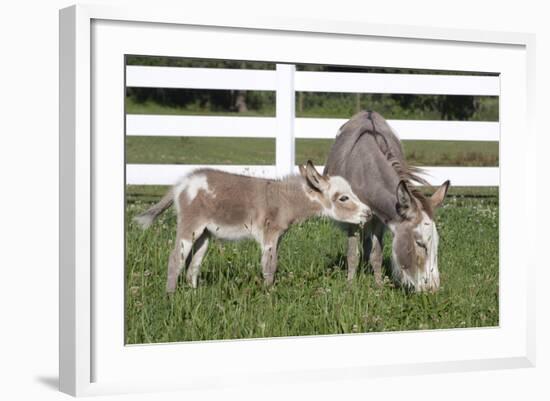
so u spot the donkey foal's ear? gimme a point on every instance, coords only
(303, 171)
(315, 179)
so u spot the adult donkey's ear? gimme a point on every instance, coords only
(405, 206)
(439, 196)
(315, 179)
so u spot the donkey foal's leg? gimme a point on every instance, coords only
(178, 258)
(353, 251)
(177, 262)
(199, 249)
(269, 261)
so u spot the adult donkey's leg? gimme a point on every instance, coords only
(373, 235)
(353, 255)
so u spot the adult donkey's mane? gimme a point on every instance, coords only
(406, 173)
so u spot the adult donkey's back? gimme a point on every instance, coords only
(369, 155)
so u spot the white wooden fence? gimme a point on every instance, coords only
(285, 127)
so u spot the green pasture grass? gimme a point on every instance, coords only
(419, 153)
(150, 107)
(219, 150)
(311, 295)
(197, 150)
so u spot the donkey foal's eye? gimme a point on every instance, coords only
(343, 198)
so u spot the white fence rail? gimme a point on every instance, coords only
(310, 81)
(168, 174)
(285, 81)
(266, 127)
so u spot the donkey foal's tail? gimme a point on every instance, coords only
(147, 218)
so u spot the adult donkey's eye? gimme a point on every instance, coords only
(422, 245)
(343, 198)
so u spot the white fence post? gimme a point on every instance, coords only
(285, 113)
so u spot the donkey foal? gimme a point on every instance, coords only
(233, 207)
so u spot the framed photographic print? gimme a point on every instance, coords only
(289, 200)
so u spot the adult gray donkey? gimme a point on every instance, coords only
(369, 156)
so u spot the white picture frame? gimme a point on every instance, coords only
(93, 358)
